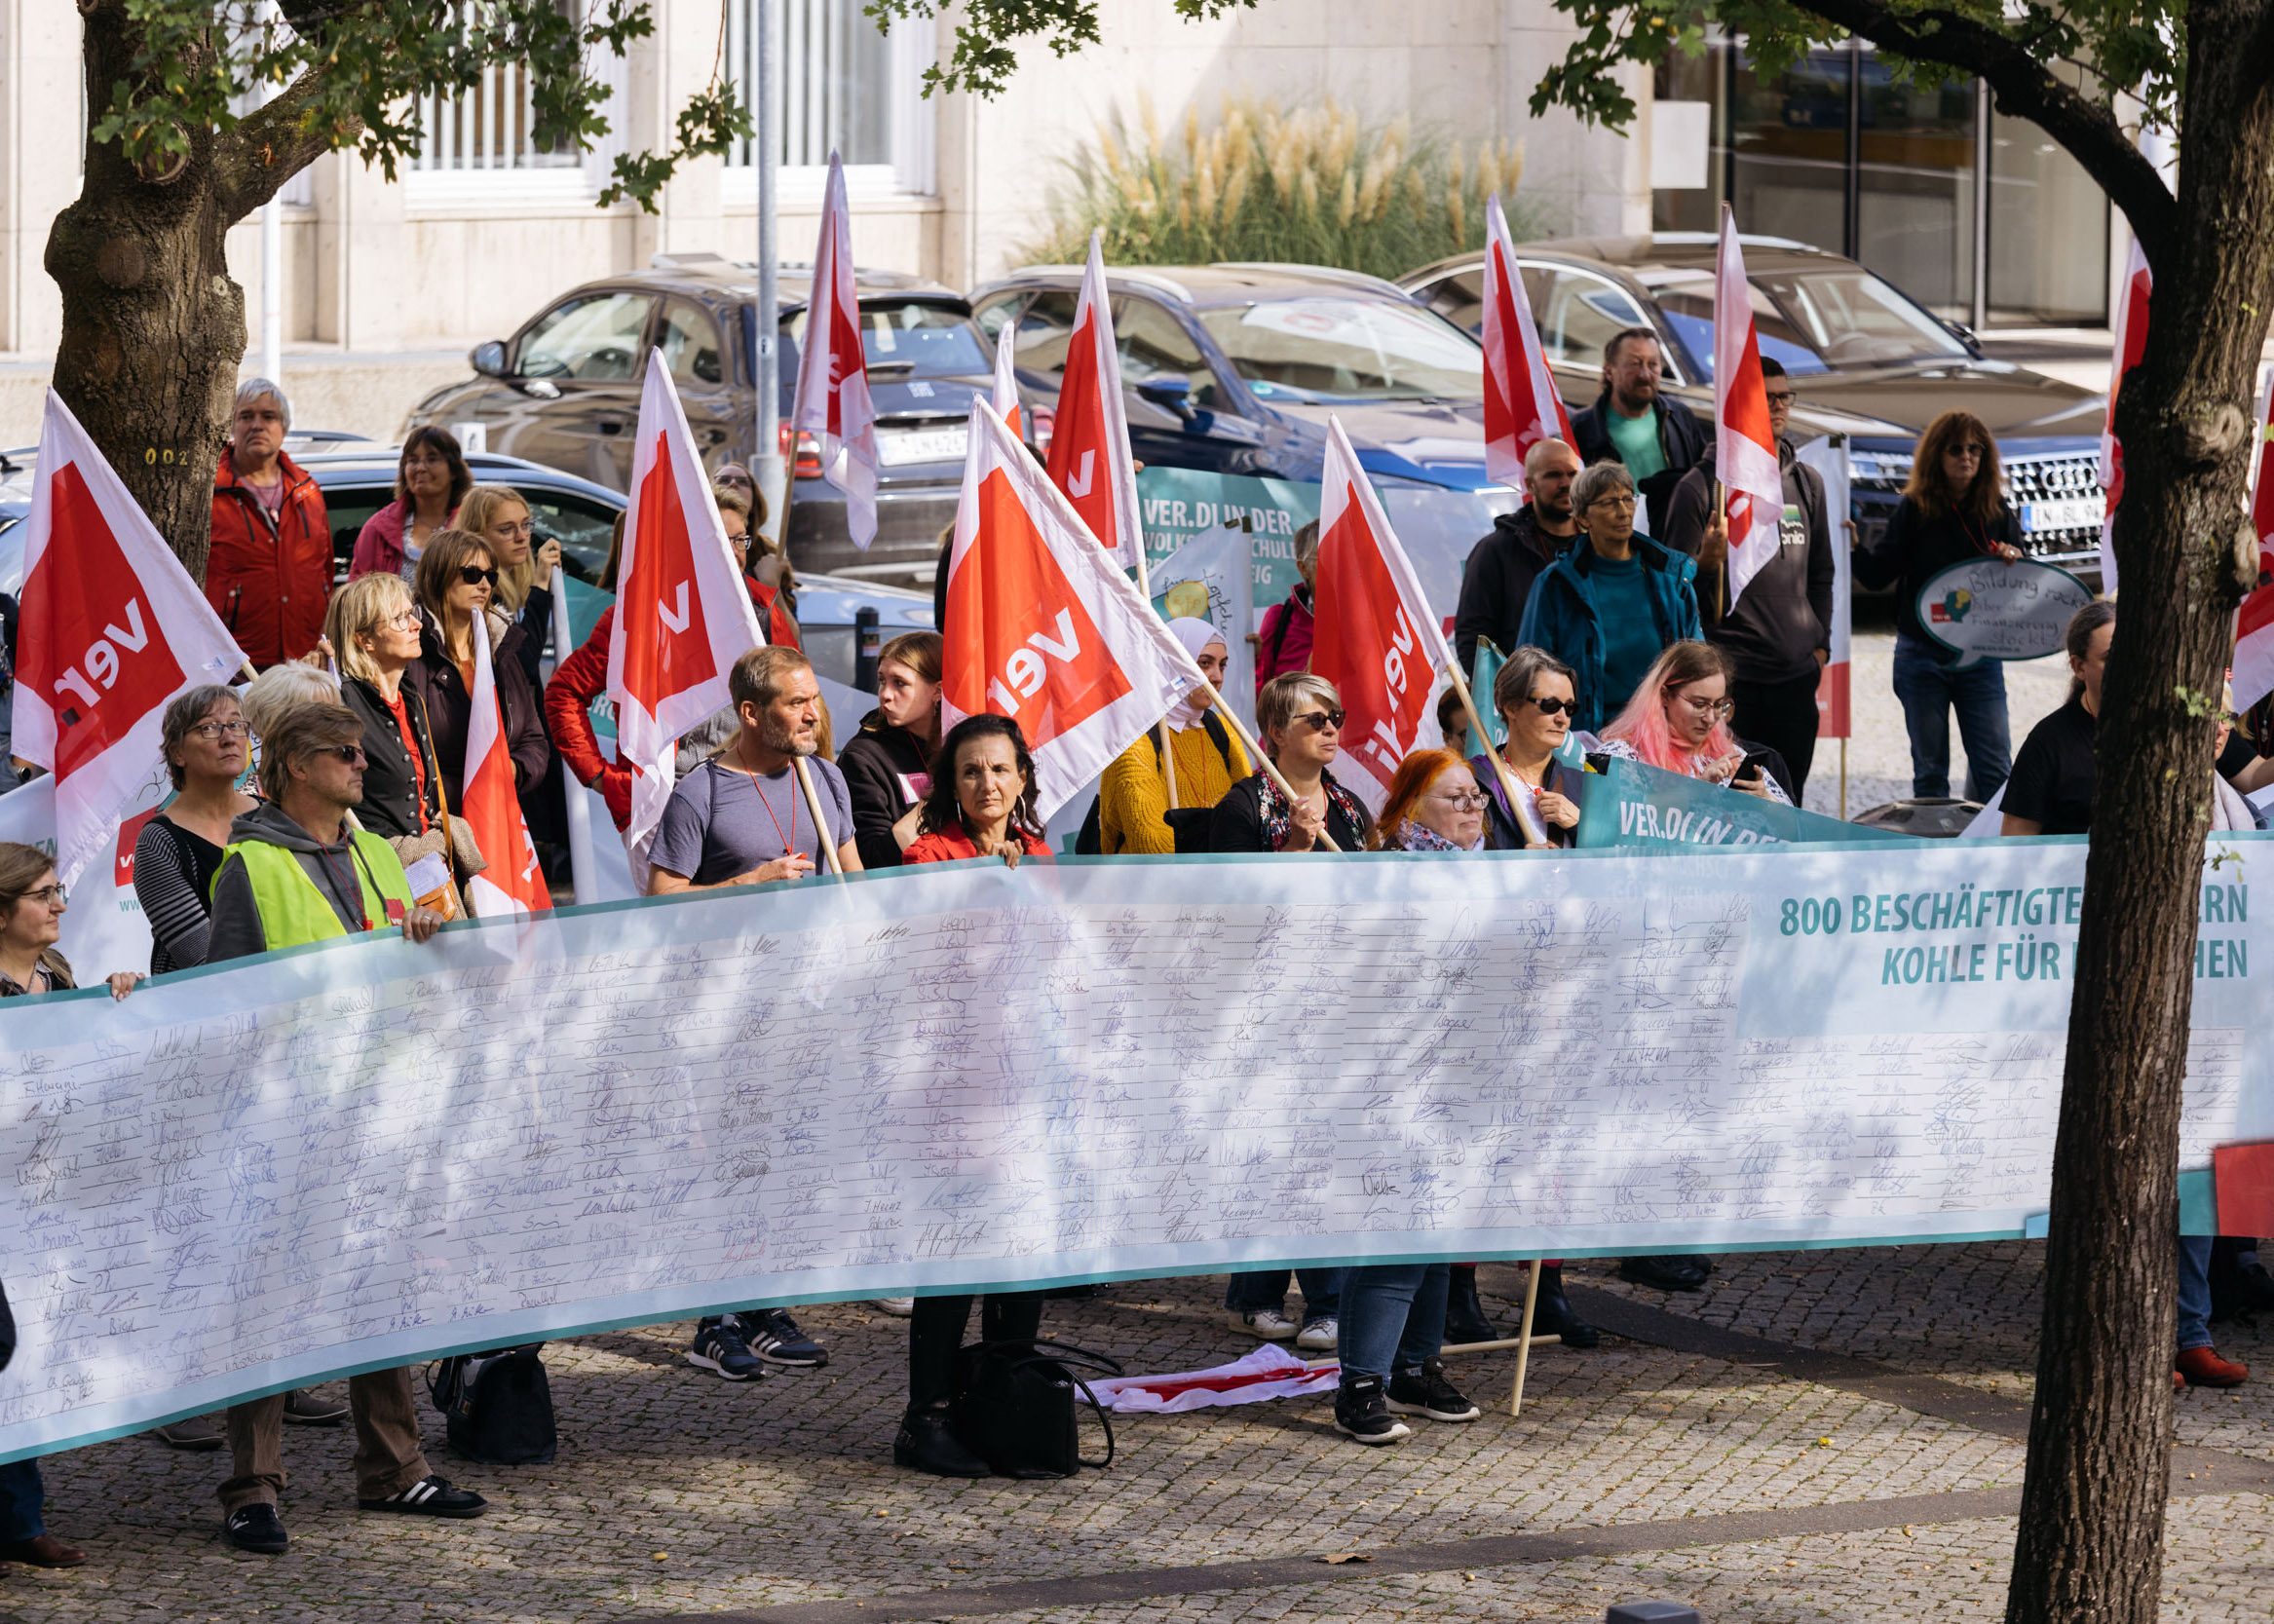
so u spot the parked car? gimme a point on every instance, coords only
(1865, 358)
(357, 478)
(564, 391)
(1234, 368)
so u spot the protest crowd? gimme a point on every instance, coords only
(353, 784)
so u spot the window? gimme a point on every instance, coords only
(689, 344)
(1459, 299)
(479, 146)
(1153, 345)
(1687, 305)
(1044, 331)
(592, 339)
(910, 340)
(1346, 349)
(846, 87)
(1578, 313)
(584, 525)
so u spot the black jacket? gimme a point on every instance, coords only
(1784, 616)
(873, 765)
(1913, 547)
(1681, 441)
(434, 677)
(1500, 831)
(1238, 824)
(391, 789)
(1498, 581)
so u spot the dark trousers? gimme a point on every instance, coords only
(21, 1494)
(1781, 715)
(1266, 1288)
(936, 1331)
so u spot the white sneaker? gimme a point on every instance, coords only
(900, 1308)
(1322, 1334)
(1268, 1323)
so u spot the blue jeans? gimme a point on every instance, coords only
(1266, 1288)
(1929, 691)
(1393, 1316)
(21, 1494)
(2194, 1292)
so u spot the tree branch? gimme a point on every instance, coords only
(2023, 86)
(272, 144)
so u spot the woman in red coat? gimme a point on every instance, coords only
(982, 801)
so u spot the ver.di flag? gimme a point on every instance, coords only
(1042, 624)
(1522, 407)
(2254, 630)
(112, 628)
(513, 884)
(831, 401)
(2131, 344)
(1745, 461)
(1006, 379)
(1089, 438)
(682, 615)
(1374, 637)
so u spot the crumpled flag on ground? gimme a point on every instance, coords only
(1269, 1372)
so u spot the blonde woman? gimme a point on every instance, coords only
(502, 518)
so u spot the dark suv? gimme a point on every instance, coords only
(1865, 360)
(564, 391)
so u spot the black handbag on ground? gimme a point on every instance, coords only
(1015, 1406)
(497, 1407)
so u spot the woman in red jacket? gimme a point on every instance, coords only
(982, 801)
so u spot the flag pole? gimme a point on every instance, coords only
(1168, 760)
(821, 824)
(1843, 780)
(1255, 751)
(582, 866)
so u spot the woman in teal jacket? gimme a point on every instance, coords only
(1608, 609)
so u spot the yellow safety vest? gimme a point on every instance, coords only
(294, 910)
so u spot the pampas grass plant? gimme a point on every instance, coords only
(1315, 186)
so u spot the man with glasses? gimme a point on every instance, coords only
(1633, 422)
(297, 871)
(1778, 633)
(1609, 608)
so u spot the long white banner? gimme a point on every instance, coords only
(354, 1156)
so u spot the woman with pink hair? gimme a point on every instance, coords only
(1678, 722)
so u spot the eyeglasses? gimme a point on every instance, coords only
(349, 753)
(1708, 707)
(1780, 396)
(210, 730)
(48, 897)
(1461, 800)
(1554, 706)
(1319, 719)
(1973, 452)
(1626, 502)
(473, 577)
(406, 621)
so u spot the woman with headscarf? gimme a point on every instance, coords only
(1133, 802)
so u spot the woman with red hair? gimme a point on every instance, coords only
(1678, 722)
(1433, 805)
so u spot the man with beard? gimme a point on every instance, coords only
(1501, 567)
(1632, 423)
(740, 820)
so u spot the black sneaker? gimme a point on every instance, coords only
(431, 1496)
(257, 1528)
(928, 1444)
(1426, 1393)
(775, 1338)
(719, 1349)
(1362, 1413)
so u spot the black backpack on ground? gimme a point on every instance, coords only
(1015, 1406)
(1190, 824)
(497, 1406)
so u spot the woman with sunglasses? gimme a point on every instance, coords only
(1534, 694)
(1953, 508)
(1299, 718)
(457, 583)
(205, 744)
(1678, 722)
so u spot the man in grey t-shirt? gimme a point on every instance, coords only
(741, 818)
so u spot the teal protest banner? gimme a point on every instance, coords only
(1181, 505)
(1634, 805)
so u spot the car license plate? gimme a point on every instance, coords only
(899, 447)
(2079, 513)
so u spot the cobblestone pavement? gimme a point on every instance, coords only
(677, 1494)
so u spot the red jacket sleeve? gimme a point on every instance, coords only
(576, 682)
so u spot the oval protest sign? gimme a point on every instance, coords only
(1985, 609)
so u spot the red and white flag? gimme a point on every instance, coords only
(2131, 345)
(1089, 440)
(1374, 637)
(683, 617)
(1522, 407)
(831, 401)
(1745, 460)
(113, 628)
(2253, 628)
(1006, 380)
(1042, 627)
(513, 884)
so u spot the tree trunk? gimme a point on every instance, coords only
(2090, 1542)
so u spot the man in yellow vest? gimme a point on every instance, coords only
(296, 871)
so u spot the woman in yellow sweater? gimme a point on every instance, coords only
(1133, 793)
